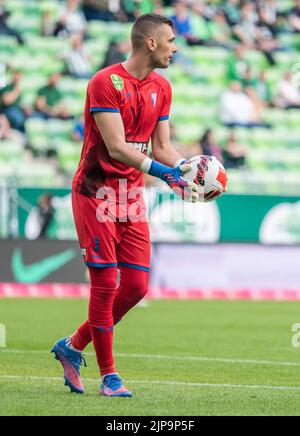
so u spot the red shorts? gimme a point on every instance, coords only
(113, 243)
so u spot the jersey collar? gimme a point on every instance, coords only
(135, 79)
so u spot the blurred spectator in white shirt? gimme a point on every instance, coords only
(294, 17)
(71, 21)
(238, 109)
(78, 61)
(288, 93)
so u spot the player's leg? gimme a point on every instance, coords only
(81, 338)
(69, 350)
(133, 287)
(103, 289)
(101, 322)
(134, 255)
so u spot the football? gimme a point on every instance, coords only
(209, 174)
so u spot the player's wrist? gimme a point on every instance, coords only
(146, 165)
(154, 168)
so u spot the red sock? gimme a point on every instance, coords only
(103, 281)
(82, 338)
(133, 287)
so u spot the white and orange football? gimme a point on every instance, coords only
(209, 174)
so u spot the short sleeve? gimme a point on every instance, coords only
(166, 107)
(103, 95)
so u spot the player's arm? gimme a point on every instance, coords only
(162, 149)
(42, 106)
(112, 131)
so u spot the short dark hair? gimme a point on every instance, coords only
(144, 25)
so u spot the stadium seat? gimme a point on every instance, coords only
(198, 80)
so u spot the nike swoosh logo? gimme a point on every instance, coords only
(36, 272)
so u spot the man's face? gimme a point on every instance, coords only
(17, 77)
(165, 47)
(54, 80)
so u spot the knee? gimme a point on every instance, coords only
(103, 278)
(139, 289)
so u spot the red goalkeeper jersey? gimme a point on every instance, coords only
(142, 104)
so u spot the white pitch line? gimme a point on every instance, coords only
(180, 358)
(158, 382)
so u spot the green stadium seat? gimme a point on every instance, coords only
(27, 24)
(68, 157)
(71, 87)
(50, 46)
(197, 91)
(8, 45)
(10, 152)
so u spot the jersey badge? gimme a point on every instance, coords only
(117, 81)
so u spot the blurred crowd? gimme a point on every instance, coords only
(237, 26)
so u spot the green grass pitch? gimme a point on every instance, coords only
(179, 357)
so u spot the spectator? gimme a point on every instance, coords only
(10, 103)
(245, 30)
(78, 132)
(182, 20)
(131, 9)
(7, 133)
(77, 60)
(267, 35)
(46, 214)
(116, 53)
(239, 110)
(234, 153)
(209, 145)
(263, 89)
(271, 12)
(237, 65)
(4, 27)
(206, 145)
(49, 103)
(294, 17)
(232, 11)
(73, 19)
(255, 33)
(220, 32)
(128, 12)
(249, 80)
(47, 25)
(103, 10)
(288, 93)
(195, 28)
(200, 32)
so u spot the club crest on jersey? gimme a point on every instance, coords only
(117, 81)
(154, 99)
